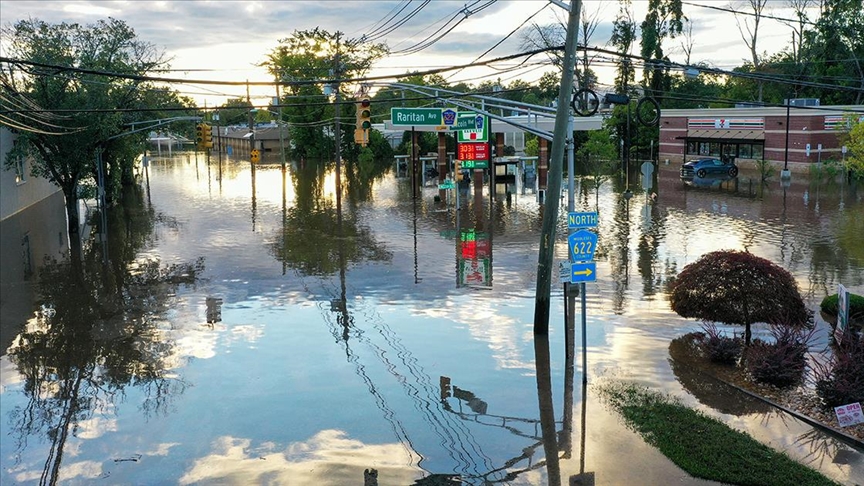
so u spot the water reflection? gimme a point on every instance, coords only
(322, 337)
(97, 333)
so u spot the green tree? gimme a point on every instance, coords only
(855, 145)
(599, 155)
(304, 61)
(664, 20)
(77, 112)
(835, 48)
(623, 37)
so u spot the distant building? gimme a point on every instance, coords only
(751, 133)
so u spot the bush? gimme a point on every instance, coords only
(766, 170)
(718, 347)
(840, 381)
(856, 306)
(782, 362)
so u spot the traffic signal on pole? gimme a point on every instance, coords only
(199, 135)
(457, 170)
(208, 136)
(364, 114)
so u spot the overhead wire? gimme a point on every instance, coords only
(377, 35)
(504, 38)
(429, 41)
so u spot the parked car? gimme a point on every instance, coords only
(710, 166)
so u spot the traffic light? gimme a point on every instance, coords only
(208, 136)
(445, 387)
(364, 114)
(199, 135)
(457, 171)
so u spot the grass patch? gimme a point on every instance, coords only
(702, 446)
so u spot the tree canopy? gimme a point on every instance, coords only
(77, 113)
(737, 287)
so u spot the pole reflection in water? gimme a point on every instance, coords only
(254, 199)
(547, 412)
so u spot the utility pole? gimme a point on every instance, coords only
(281, 133)
(556, 165)
(336, 113)
(251, 128)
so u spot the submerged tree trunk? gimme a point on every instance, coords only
(71, 196)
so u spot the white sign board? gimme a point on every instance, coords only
(564, 272)
(842, 312)
(849, 414)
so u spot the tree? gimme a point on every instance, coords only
(737, 287)
(623, 37)
(599, 153)
(836, 45)
(855, 144)
(63, 144)
(304, 61)
(664, 20)
(552, 35)
(752, 35)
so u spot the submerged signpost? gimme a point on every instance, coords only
(582, 245)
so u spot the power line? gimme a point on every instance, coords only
(739, 12)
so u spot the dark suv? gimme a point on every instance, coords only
(702, 168)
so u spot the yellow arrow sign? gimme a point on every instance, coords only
(587, 272)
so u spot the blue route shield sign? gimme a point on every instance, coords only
(582, 245)
(583, 272)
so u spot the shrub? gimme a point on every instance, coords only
(840, 380)
(856, 306)
(782, 362)
(766, 170)
(718, 347)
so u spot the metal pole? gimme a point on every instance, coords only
(584, 336)
(550, 214)
(786, 152)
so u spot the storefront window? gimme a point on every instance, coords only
(745, 150)
(692, 148)
(757, 151)
(714, 149)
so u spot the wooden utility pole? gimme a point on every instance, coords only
(556, 165)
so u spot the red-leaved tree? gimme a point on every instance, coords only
(737, 287)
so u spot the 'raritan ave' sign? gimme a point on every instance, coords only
(416, 116)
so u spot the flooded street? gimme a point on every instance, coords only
(252, 329)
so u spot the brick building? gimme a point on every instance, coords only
(755, 133)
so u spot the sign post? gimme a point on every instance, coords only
(582, 245)
(842, 313)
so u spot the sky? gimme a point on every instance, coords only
(225, 40)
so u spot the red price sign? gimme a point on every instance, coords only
(473, 151)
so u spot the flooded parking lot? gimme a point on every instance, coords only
(250, 328)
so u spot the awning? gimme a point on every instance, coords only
(726, 134)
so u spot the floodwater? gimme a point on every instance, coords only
(254, 328)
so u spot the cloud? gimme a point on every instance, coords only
(329, 457)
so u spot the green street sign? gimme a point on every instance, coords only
(416, 116)
(480, 132)
(446, 185)
(464, 123)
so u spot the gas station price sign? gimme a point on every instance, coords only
(473, 151)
